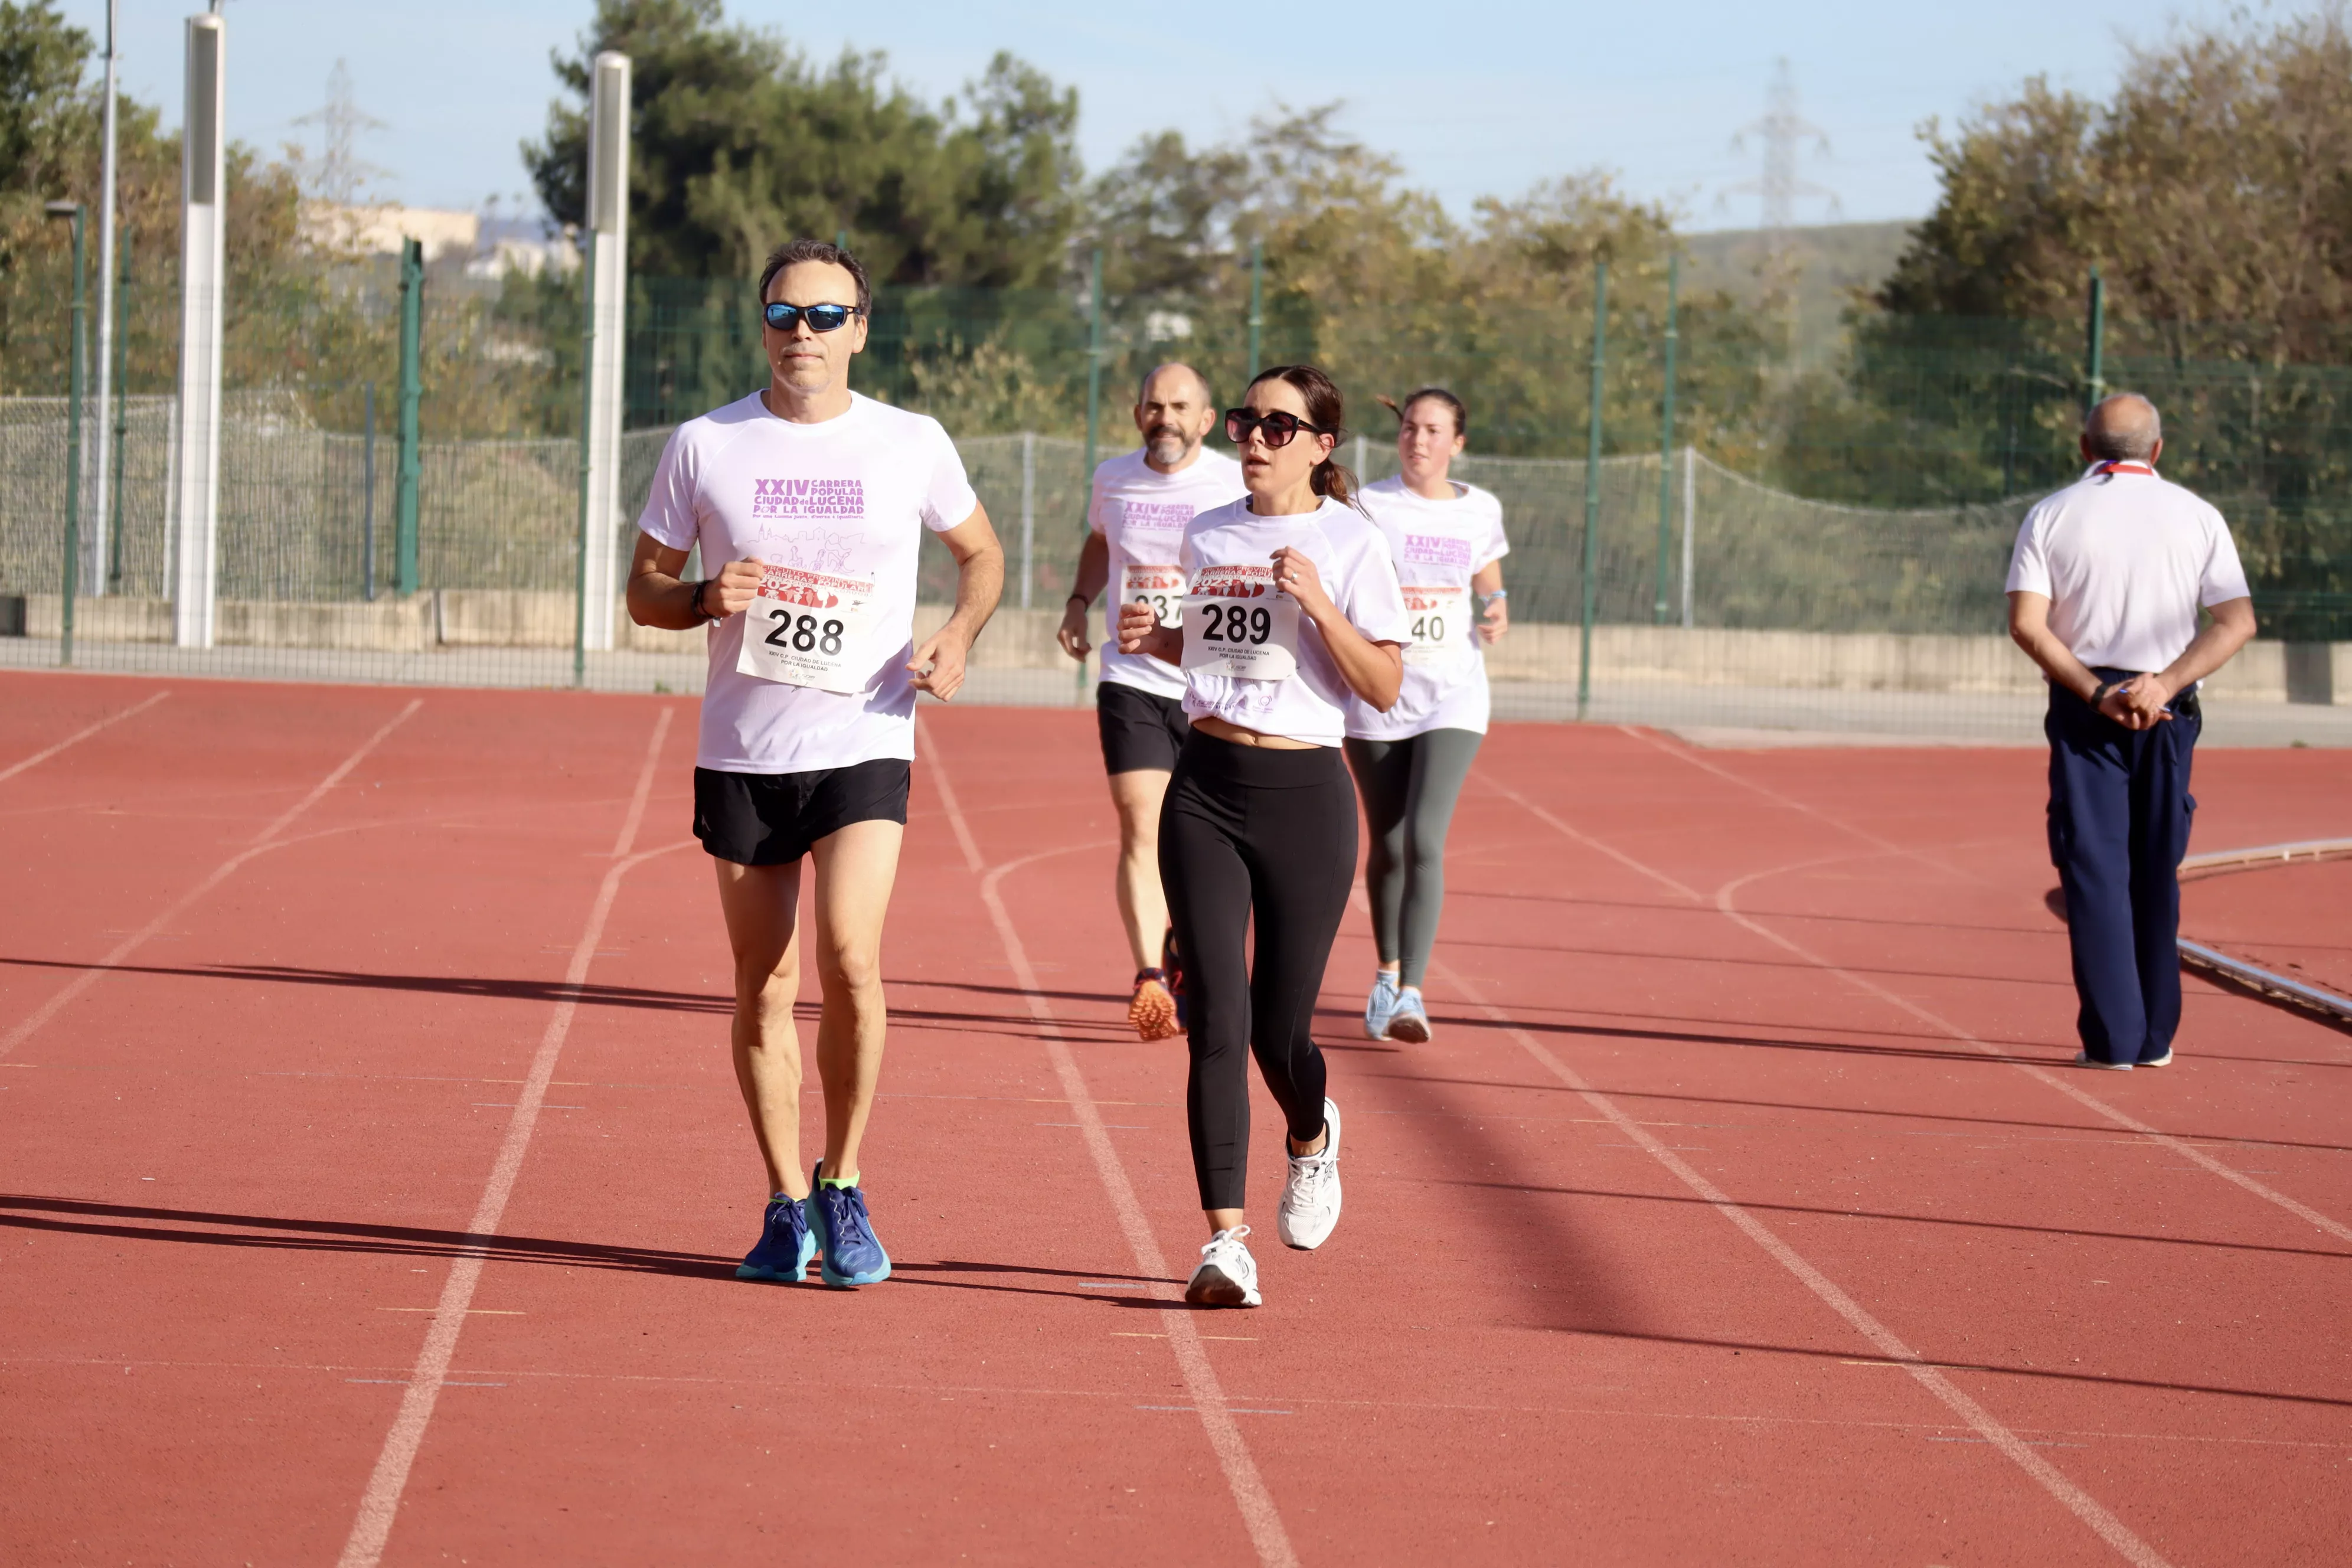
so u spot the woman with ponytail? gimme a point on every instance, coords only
(1292, 613)
(1410, 757)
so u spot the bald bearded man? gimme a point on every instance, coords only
(1135, 520)
(2104, 594)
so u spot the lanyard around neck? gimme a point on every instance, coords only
(2114, 467)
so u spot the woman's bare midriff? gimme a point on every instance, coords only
(1240, 737)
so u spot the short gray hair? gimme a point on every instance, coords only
(2123, 427)
(1208, 397)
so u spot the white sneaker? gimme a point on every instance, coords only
(1311, 1195)
(2085, 1059)
(1380, 1004)
(1227, 1274)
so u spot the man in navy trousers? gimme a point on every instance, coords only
(2103, 593)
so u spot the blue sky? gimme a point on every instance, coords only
(1473, 99)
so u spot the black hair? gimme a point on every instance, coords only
(1328, 412)
(791, 253)
(1461, 413)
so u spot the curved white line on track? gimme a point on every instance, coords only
(2186, 1151)
(37, 758)
(379, 1502)
(1259, 1515)
(2077, 1501)
(263, 842)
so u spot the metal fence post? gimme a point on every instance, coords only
(2094, 351)
(1257, 302)
(412, 392)
(367, 499)
(122, 420)
(73, 211)
(587, 455)
(1592, 488)
(1094, 362)
(1667, 437)
(1690, 515)
(1028, 513)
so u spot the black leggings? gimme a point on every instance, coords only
(1248, 829)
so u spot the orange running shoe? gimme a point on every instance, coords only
(1152, 1010)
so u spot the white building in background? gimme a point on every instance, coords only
(489, 247)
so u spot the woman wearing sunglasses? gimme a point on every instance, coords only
(1292, 612)
(1410, 761)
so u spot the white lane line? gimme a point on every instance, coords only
(37, 758)
(2090, 1101)
(263, 842)
(2077, 1501)
(1723, 903)
(1259, 1515)
(379, 1503)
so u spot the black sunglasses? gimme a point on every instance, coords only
(819, 317)
(1278, 428)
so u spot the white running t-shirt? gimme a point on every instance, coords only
(1228, 556)
(1141, 513)
(842, 504)
(2125, 559)
(1438, 546)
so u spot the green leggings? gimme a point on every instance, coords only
(1409, 788)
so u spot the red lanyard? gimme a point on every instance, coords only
(2126, 468)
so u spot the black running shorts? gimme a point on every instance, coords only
(1140, 730)
(772, 819)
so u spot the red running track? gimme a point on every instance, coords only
(373, 1173)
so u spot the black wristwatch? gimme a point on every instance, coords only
(699, 609)
(2099, 693)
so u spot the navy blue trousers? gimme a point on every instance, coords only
(2119, 815)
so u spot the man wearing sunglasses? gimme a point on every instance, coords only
(1135, 522)
(809, 504)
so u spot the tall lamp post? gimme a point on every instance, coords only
(72, 212)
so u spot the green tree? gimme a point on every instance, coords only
(739, 143)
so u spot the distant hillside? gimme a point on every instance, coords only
(1836, 260)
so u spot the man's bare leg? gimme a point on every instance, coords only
(1142, 907)
(761, 904)
(855, 869)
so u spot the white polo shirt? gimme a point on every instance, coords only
(847, 497)
(1141, 513)
(2126, 558)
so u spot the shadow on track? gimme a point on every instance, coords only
(1752, 1205)
(1863, 1358)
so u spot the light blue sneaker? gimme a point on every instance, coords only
(1409, 1020)
(845, 1234)
(1380, 1004)
(786, 1245)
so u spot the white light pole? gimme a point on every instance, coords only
(94, 573)
(196, 428)
(608, 242)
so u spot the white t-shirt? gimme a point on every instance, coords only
(847, 498)
(1438, 546)
(1232, 548)
(1141, 513)
(2125, 559)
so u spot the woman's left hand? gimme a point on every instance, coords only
(1295, 575)
(1496, 622)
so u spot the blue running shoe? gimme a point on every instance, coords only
(1409, 1019)
(1380, 1004)
(786, 1245)
(845, 1234)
